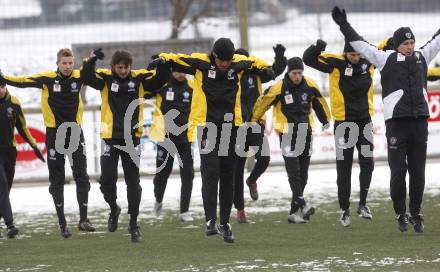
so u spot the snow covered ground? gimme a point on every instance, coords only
(273, 187)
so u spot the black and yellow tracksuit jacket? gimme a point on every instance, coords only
(11, 117)
(434, 73)
(351, 85)
(118, 93)
(60, 97)
(174, 95)
(252, 88)
(292, 103)
(215, 92)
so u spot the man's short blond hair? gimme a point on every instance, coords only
(64, 52)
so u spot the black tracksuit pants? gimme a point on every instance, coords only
(109, 176)
(7, 171)
(407, 145)
(344, 166)
(164, 166)
(297, 168)
(57, 178)
(252, 139)
(218, 164)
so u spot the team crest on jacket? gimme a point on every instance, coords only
(131, 84)
(393, 140)
(230, 74)
(250, 81)
(52, 154)
(73, 86)
(304, 97)
(364, 68)
(10, 112)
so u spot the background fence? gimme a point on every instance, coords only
(32, 31)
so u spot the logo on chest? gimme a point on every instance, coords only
(131, 86)
(186, 96)
(74, 87)
(10, 112)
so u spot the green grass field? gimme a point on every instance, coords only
(269, 244)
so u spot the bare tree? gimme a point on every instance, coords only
(181, 9)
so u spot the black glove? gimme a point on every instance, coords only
(268, 73)
(320, 45)
(38, 154)
(159, 61)
(339, 16)
(97, 54)
(279, 50)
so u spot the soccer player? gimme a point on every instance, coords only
(216, 112)
(61, 103)
(251, 89)
(175, 95)
(403, 78)
(122, 89)
(293, 99)
(351, 100)
(11, 117)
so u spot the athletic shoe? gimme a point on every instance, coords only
(345, 218)
(113, 218)
(210, 228)
(296, 218)
(417, 222)
(65, 232)
(253, 191)
(307, 211)
(241, 217)
(226, 232)
(186, 217)
(135, 234)
(86, 226)
(12, 232)
(157, 208)
(402, 222)
(364, 212)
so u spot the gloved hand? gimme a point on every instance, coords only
(38, 154)
(325, 126)
(97, 54)
(279, 50)
(320, 45)
(268, 73)
(339, 16)
(156, 62)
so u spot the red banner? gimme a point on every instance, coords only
(434, 106)
(24, 150)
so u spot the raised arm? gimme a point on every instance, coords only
(88, 73)
(280, 62)
(312, 57)
(372, 53)
(431, 48)
(156, 79)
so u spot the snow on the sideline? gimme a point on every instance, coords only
(273, 188)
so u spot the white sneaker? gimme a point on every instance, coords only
(296, 218)
(307, 211)
(345, 218)
(186, 217)
(157, 208)
(365, 212)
